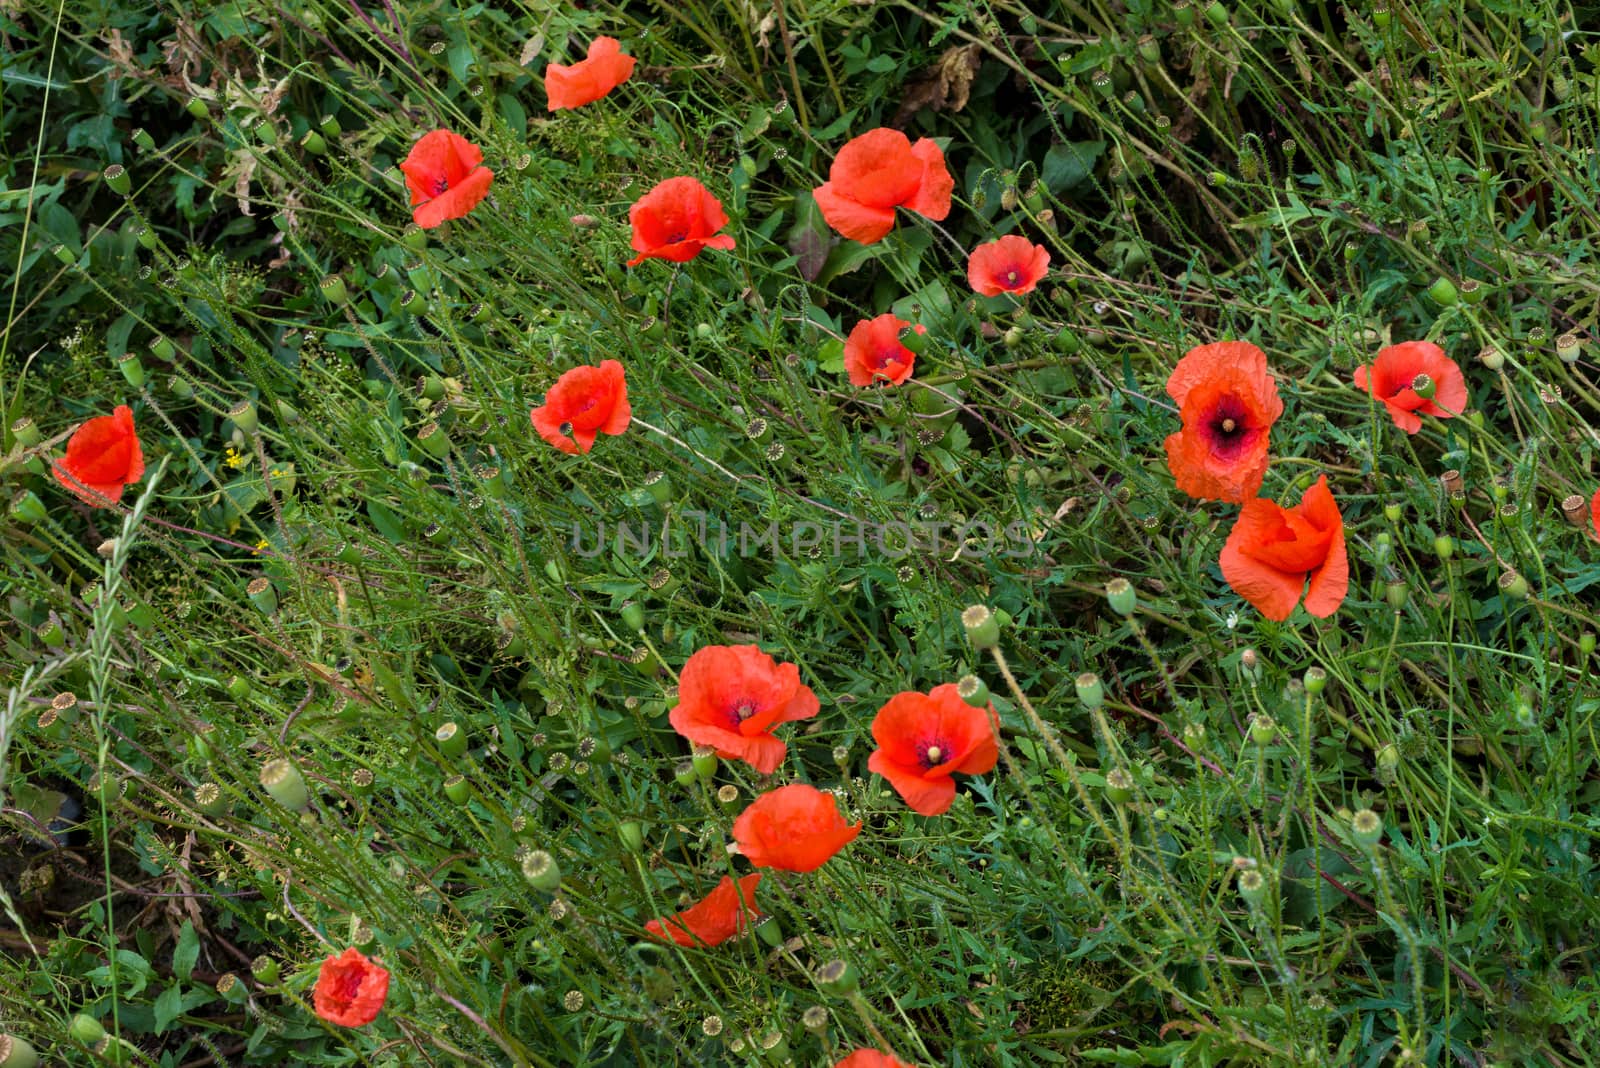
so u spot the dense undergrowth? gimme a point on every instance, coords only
(349, 535)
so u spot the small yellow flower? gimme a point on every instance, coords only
(234, 458)
(261, 546)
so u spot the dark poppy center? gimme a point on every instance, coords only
(931, 752)
(347, 986)
(740, 710)
(440, 184)
(677, 236)
(1228, 427)
(565, 429)
(1011, 278)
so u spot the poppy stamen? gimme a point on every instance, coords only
(440, 184)
(1228, 426)
(933, 753)
(1011, 278)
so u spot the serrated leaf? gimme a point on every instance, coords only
(186, 952)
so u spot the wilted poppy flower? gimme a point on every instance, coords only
(713, 920)
(675, 220)
(874, 354)
(589, 79)
(923, 739)
(350, 989)
(584, 402)
(1228, 403)
(444, 177)
(103, 456)
(1394, 372)
(1272, 551)
(795, 827)
(731, 696)
(877, 172)
(871, 1058)
(1010, 264)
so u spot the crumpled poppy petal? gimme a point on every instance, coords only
(454, 202)
(932, 198)
(851, 218)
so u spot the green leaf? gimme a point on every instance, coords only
(186, 952)
(386, 522)
(830, 356)
(1068, 165)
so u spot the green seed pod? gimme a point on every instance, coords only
(27, 508)
(1569, 348)
(1183, 13)
(265, 969)
(982, 627)
(1443, 292)
(1091, 693)
(451, 739)
(231, 989)
(632, 836)
(1392, 512)
(414, 237)
(1444, 547)
(1472, 291)
(1149, 49)
(263, 596)
(1380, 14)
(1252, 887)
(837, 977)
(704, 762)
(239, 687)
(633, 617)
(1586, 642)
(1396, 593)
(117, 180)
(1119, 786)
(684, 773)
(209, 798)
(15, 1053)
(283, 781)
(659, 486)
(541, 871)
(334, 290)
(244, 417)
(85, 1029)
(1424, 386)
(1217, 14)
(973, 690)
(1366, 828)
(142, 138)
(434, 441)
(1122, 597)
(51, 634)
(197, 108)
(1263, 729)
(1513, 585)
(362, 782)
(313, 143)
(63, 254)
(1315, 680)
(132, 370)
(413, 303)
(329, 126)
(770, 931)
(458, 789)
(180, 387)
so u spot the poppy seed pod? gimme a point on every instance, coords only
(837, 977)
(263, 596)
(982, 627)
(1472, 291)
(1122, 597)
(631, 835)
(238, 687)
(313, 143)
(770, 931)
(26, 507)
(244, 417)
(458, 789)
(1119, 786)
(1513, 585)
(451, 739)
(1366, 828)
(973, 690)
(1443, 292)
(283, 781)
(1263, 729)
(541, 871)
(1315, 680)
(209, 798)
(117, 179)
(1569, 347)
(1252, 887)
(142, 138)
(1090, 690)
(334, 289)
(704, 761)
(633, 617)
(265, 969)
(15, 1053)
(1586, 642)
(434, 441)
(85, 1029)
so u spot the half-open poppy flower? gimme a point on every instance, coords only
(874, 354)
(923, 739)
(103, 457)
(1228, 403)
(1394, 372)
(584, 402)
(1272, 551)
(675, 220)
(589, 79)
(713, 920)
(1010, 264)
(877, 172)
(871, 1058)
(350, 989)
(795, 828)
(731, 696)
(444, 175)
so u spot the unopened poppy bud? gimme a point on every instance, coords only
(263, 596)
(1252, 887)
(1513, 585)
(283, 781)
(26, 507)
(973, 690)
(458, 789)
(1569, 347)
(1122, 597)
(434, 441)
(244, 417)
(1263, 728)
(333, 289)
(770, 931)
(704, 760)
(541, 871)
(1119, 786)
(1586, 642)
(1423, 386)
(1396, 593)
(451, 740)
(632, 836)
(684, 774)
(1443, 292)
(15, 1053)
(1366, 827)
(1008, 198)
(1091, 693)
(983, 629)
(1388, 764)
(117, 179)
(1315, 680)
(837, 977)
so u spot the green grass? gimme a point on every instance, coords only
(1293, 175)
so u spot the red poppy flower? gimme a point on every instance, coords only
(713, 920)
(923, 739)
(873, 353)
(350, 989)
(877, 172)
(1397, 367)
(589, 79)
(675, 220)
(1228, 403)
(103, 456)
(1594, 515)
(1272, 551)
(584, 402)
(871, 1058)
(731, 696)
(1011, 264)
(444, 177)
(795, 827)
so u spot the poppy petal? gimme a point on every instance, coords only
(851, 218)
(932, 199)
(454, 202)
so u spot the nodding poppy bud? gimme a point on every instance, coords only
(541, 871)
(263, 596)
(1443, 292)
(1366, 827)
(1252, 887)
(837, 977)
(117, 179)
(632, 836)
(283, 781)
(982, 627)
(973, 690)
(1122, 597)
(1090, 691)
(451, 739)
(1119, 786)
(15, 1053)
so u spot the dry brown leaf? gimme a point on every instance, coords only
(947, 85)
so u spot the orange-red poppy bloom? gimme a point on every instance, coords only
(871, 1058)
(874, 354)
(1010, 264)
(1228, 403)
(675, 220)
(923, 739)
(584, 402)
(350, 989)
(877, 172)
(103, 456)
(590, 78)
(444, 175)
(731, 696)
(1594, 515)
(795, 828)
(721, 915)
(1394, 372)
(1272, 551)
